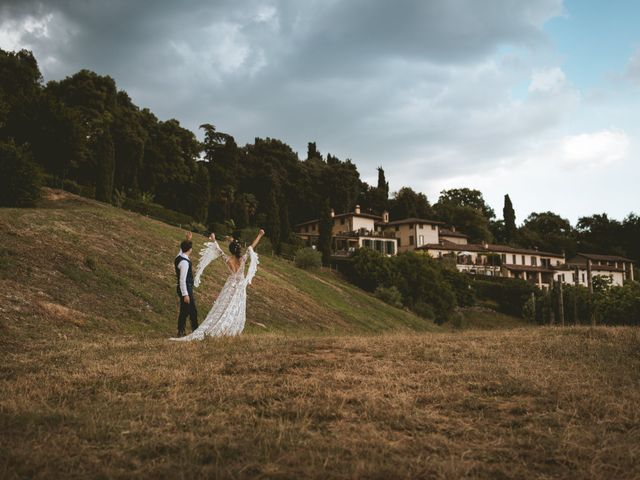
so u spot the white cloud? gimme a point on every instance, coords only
(549, 80)
(595, 149)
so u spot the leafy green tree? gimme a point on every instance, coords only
(273, 219)
(549, 232)
(104, 158)
(466, 197)
(20, 177)
(407, 203)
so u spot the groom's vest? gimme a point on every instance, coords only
(177, 260)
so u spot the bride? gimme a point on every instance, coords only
(228, 315)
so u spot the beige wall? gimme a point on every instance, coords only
(360, 222)
(456, 240)
(422, 234)
(519, 257)
(617, 277)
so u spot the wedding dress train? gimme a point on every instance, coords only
(228, 314)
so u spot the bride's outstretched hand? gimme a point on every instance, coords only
(189, 236)
(212, 237)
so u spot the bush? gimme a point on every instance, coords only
(508, 295)
(158, 212)
(308, 259)
(20, 177)
(619, 305)
(424, 310)
(461, 286)
(390, 295)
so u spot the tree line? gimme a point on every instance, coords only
(85, 135)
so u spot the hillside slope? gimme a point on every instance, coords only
(76, 265)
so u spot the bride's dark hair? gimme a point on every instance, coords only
(235, 248)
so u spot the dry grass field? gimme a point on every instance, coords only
(326, 382)
(523, 403)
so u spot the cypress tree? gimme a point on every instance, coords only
(509, 216)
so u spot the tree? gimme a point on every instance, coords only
(326, 232)
(104, 155)
(407, 203)
(509, 217)
(467, 210)
(549, 232)
(20, 177)
(466, 197)
(273, 220)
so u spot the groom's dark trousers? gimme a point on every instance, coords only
(187, 310)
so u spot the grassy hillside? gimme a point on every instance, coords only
(75, 265)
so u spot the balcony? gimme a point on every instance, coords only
(363, 232)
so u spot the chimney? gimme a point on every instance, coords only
(357, 211)
(485, 245)
(385, 217)
(453, 228)
(333, 213)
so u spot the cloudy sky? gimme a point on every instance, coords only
(539, 98)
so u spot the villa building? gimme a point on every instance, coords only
(351, 231)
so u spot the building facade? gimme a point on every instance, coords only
(351, 231)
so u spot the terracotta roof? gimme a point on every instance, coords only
(528, 268)
(450, 233)
(507, 249)
(609, 258)
(490, 248)
(342, 215)
(447, 245)
(413, 220)
(603, 268)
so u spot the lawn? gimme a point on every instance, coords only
(519, 403)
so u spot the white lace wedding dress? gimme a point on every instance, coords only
(229, 312)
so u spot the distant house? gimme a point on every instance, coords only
(351, 231)
(576, 270)
(355, 230)
(411, 233)
(498, 260)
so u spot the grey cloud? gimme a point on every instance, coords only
(402, 83)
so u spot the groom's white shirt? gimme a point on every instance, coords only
(184, 268)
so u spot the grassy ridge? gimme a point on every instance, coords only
(74, 265)
(523, 403)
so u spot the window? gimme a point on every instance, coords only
(410, 226)
(433, 227)
(399, 243)
(573, 277)
(503, 257)
(583, 280)
(397, 228)
(342, 221)
(514, 259)
(390, 249)
(421, 226)
(523, 262)
(410, 239)
(420, 240)
(534, 261)
(306, 228)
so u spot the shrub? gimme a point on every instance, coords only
(308, 259)
(619, 305)
(509, 295)
(424, 310)
(20, 177)
(461, 286)
(390, 295)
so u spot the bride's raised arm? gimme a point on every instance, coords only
(257, 240)
(208, 254)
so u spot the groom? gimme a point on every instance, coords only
(184, 287)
